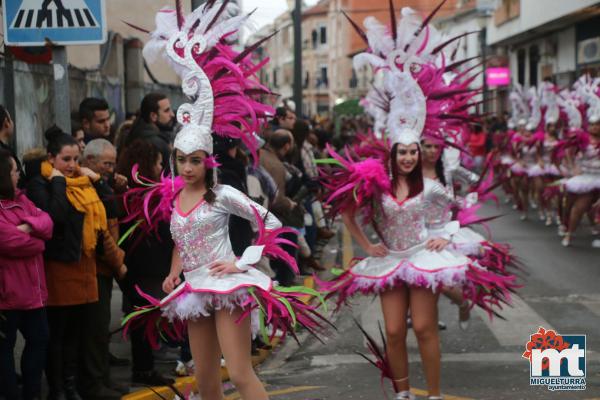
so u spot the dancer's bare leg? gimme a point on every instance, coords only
(235, 339)
(581, 205)
(207, 357)
(538, 189)
(424, 312)
(524, 195)
(394, 304)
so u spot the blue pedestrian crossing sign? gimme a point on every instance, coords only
(63, 22)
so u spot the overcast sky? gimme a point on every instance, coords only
(267, 10)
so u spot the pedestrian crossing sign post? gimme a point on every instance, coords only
(62, 22)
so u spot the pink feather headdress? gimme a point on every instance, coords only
(221, 81)
(421, 94)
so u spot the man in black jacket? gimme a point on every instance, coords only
(155, 124)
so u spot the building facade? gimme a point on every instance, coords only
(328, 44)
(317, 72)
(545, 39)
(469, 17)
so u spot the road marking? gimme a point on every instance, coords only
(297, 389)
(328, 360)
(590, 300)
(521, 322)
(421, 392)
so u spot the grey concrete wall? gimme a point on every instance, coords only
(34, 101)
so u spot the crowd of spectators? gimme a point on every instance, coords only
(60, 257)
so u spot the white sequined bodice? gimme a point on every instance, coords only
(401, 225)
(202, 235)
(529, 153)
(438, 204)
(589, 160)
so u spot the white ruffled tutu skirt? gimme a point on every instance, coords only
(416, 266)
(519, 169)
(419, 267)
(202, 294)
(584, 183)
(506, 160)
(546, 170)
(468, 242)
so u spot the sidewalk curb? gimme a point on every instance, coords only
(189, 382)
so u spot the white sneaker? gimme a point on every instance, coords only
(549, 221)
(562, 230)
(405, 395)
(523, 217)
(542, 216)
(566, 242)
(596, 244)
(184, 369)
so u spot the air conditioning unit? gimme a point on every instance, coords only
(588, 51)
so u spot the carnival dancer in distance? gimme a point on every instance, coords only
(545, 171)
(583, 186)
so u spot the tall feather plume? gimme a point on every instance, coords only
(138, 28)
(253, 47)
(424, 24)
(209, 3)
(357, 28)
(466, 72)
(449, 41)
(217, 15)
(454, 52)
(179, 10)
(393, 21)
(457, 64)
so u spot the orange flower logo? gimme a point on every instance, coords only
(545, 339)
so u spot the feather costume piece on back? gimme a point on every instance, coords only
(352, 184)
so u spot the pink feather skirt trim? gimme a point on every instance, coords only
(280, 308)
(487, 284)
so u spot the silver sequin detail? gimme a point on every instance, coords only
(202, 237)
(438, 204)
(401, 225)
(589, 160)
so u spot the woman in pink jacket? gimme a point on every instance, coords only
(23, 230)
